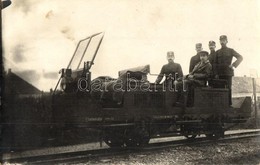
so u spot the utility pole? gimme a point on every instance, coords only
(255, 103)
(4, 4)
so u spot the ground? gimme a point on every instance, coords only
(246, 151)
(243, 151)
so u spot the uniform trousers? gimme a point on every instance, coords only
(229, 86)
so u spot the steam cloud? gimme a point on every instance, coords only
(50, 75)
(18, 53)
(49, 14)
(25, 6)
(29, 75)
(68, 33)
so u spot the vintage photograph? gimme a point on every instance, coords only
(130, 82)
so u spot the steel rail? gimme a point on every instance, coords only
(83, 156)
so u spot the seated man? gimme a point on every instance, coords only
(197, 78)
(171, 70)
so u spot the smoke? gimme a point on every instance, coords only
(30, 76)
(25, 6)
(67, 32)
(51, 75)
(18, 53)
(65, 29)
(49, 14)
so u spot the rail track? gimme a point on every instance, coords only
(84, 156)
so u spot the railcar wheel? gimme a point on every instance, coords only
(138, 137)
(114, 140)
(212, 136)
(209, 136)
(188, 131)
(190, 137)
(137, 141)
(215, 135)
(114, 143)
(218, 131)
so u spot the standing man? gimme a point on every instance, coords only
(224, 66)
(212, 47)
(169, 70)
(212, 55)
(195, 59)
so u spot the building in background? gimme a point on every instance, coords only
(15, 85)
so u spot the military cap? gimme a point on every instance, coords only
(203, 53)
(198, 45)
(5, 4)
(170, 53)
(212, 43)
(223, 37)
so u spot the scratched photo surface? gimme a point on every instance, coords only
(39, 38)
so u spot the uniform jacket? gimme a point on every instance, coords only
(224, 58)
(193, 61)
(212, 58)
(170, 68)
(201, 72)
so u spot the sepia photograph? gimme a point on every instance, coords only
(130, 82)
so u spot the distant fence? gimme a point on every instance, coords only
(244, 86)
(26, 121)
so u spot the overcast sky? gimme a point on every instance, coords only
(40, 36)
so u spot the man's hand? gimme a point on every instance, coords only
(190, 76)
(231, 67)
(175, 82)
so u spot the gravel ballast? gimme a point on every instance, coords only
(245, 151)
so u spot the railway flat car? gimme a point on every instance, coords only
(129, 110)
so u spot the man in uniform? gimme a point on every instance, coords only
(170, 70)
(223, 63)
(212, 58)
(212, 55)
(195, 59)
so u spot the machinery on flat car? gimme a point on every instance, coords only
(130, 110)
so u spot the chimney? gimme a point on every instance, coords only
(9, 71)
